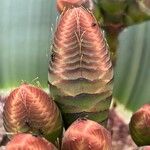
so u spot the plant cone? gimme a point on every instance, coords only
(138, 11)
(86, 135)
(145, 148)
(29, 109)
(29, 142)
(80, 70)
(140, 126)
(63, 5)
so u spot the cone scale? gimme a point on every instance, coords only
(80, 71)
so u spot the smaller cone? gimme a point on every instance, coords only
(145, 148)
(29, 109)
(140, 126)
(63, 5)
(86, 135)
(29, 142)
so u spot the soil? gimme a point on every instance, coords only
(121, 140)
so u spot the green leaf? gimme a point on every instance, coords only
(132, 74)
(25, 31)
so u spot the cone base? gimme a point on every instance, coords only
(100, 117)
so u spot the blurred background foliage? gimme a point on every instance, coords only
(132, 72)
(25, 33)
(25, 36)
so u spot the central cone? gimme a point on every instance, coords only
(80, 70)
